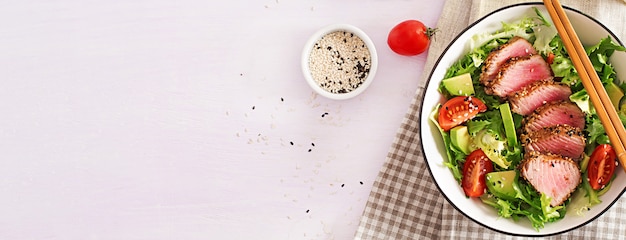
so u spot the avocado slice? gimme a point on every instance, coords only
(460, 85)
(581, 98)
(615, 94)
(501, 184)
(622, 105)
(509, 125)
(492, 146)
(460, 138)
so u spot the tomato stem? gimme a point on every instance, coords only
(430, 32)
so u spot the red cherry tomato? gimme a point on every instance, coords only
(550, 58)
(476, 166)
(601, 166)
(409, 38)
(459, 109)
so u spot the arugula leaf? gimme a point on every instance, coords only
(591, 194)
(455, 156)
(562, 65)
(605, 47)
(528, 203)
(599, 55)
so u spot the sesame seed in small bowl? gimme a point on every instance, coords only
(339, 61)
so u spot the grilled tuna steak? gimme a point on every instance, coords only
(516, 47)
(518, 73)
(532, 96)
(553, 175)
(554, 113)
(563, 140)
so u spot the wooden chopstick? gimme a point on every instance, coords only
(599, 98)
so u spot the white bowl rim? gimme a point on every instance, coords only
(428, 81)
(306, 52)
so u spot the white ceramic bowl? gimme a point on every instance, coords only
(590, 32)
(306, 54)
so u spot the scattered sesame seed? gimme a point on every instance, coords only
(307, 211)
(310, 150)
(342, 185)
(361, 182)
(253, 107)
(291, 143)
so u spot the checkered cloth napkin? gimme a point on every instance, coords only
(405, 203)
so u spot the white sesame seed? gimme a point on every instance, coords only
(339, 62)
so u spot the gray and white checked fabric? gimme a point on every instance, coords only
(405, 203)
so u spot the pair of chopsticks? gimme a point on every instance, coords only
(600, 99)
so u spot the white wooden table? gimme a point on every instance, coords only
(190, 119)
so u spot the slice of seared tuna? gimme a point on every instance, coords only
(516, 47)
(530, 97)
(554, 113)
(518, 73)
(554, 175)
(563, 140)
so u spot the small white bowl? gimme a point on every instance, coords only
(309, 47)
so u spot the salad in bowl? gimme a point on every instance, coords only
(515, 129)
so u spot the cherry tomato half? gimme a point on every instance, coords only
(459, 109)
(601, 166)
(409, 38)
(476, 166)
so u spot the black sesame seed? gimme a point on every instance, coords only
(342, 185)
(282, 99)
(310, 150)
(307, 211)
(253, 107)
(313, 144)
(291, 143)
(361, 182)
